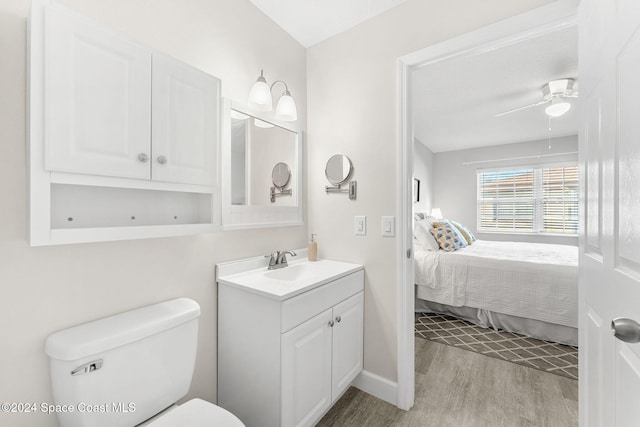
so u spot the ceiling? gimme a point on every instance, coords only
(455, 101)
(312, 21)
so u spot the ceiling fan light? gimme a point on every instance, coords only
(557, 107)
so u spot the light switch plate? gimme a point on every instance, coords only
(360, 225)
(388, 226)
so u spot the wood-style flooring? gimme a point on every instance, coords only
(459, 388)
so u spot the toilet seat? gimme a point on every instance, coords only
(197, 413)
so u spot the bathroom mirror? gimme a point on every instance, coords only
(280, 175)
(338, 169)
(258, 153)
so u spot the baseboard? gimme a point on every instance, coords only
(377, 386)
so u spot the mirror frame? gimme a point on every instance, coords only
(237, 217)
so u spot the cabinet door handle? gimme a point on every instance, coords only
(162, 160)
(142, 157)
(331, 323)
(338, 319)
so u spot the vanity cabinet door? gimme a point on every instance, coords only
(185, 110)
(348, 335)
(97, 99)
(306, 371)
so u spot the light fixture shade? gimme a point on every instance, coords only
(286, 108)
(262, 124)
(260, 95)
(557, 108)
(436, 213)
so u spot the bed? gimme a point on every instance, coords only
(527, 288)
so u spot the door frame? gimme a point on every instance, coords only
(545, 19)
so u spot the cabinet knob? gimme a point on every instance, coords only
(338, 319)
(162, 160)
(143, 157)
(331, 323)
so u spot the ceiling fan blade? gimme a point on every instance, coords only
(521, 108)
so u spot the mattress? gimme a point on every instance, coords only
(531, 280)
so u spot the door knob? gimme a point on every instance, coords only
(338, 319)
(627, 330)
(331, 323)
(162, 160)
(143, 157)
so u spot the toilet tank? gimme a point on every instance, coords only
(124, 369)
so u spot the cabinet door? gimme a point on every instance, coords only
(306, 371)
(348, 333)
(97, 99)
(185, 123)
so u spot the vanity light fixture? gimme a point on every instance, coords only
(558, 107)
(262, 124)
(260, 99)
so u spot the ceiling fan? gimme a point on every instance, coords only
(554, 92)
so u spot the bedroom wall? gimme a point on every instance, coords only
(423, 170)
(455, 189)
(353, 96)
(45, 289)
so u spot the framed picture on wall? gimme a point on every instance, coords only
(416, 190)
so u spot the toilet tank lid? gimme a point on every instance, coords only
(120, 329)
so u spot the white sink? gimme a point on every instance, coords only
(292, 272)
(300, 276)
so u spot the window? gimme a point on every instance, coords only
(529, 200)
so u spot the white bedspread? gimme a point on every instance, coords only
(532, 280)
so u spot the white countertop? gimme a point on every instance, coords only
(281, 284)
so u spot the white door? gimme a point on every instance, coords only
(348, 334)
(610, 232)
(185, 123)
(306, 371)
(97, 99)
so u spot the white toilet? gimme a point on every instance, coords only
(131, 368)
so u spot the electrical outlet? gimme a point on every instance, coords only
(360, 225)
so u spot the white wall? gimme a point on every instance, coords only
(423, 170)
(455, 189)
(353, 104)
(45, 289)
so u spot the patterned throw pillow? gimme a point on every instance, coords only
(447, 239)
(447, 223)
(466, 233)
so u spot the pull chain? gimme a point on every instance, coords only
(549, 134)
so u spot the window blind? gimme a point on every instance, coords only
(530, 200)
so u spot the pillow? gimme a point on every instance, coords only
(423, 236)
(465, 232)
(447, 238)
(447, 223)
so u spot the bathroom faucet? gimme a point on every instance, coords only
(279, 259)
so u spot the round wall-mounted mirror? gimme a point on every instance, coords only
(339, 169)
(280, 175)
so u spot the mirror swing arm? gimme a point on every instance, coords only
(274, 193)
(352, 190)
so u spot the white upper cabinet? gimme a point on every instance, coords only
(97, 99)
(123, 141)
(114, 108)
(184, 122)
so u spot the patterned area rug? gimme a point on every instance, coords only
(546, 356)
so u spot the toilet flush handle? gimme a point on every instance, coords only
(87, 368)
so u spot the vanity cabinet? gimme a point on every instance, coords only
(123, 140)
(320, 358)
(284, 360)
